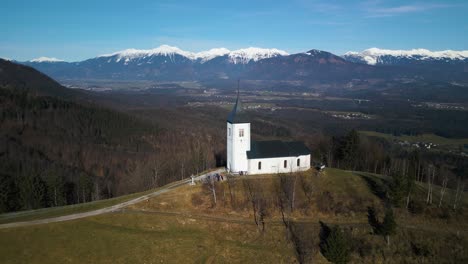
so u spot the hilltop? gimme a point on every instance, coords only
(184, 225)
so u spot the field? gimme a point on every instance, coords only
(426, 138)
(65, 210)
(185, 226)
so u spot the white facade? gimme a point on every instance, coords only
(238, 143)
(277, 165)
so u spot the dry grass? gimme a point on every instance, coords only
(142, 238)
(184, 226)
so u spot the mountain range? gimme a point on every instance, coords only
(167, 63)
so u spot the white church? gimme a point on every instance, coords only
(260, 157)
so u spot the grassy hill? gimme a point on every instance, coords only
(186, 226)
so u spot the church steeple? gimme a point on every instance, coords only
(237, 114)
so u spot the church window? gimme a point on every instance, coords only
(241, 132)
(298, 162)
(285, 163)
(259, 165)
(229, 129)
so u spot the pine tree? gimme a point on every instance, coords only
(336, 248)
(389, 225)
(351, 148)
(398, 189)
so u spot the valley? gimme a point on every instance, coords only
(366, 132)
(234, 132)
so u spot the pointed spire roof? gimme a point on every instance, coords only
(237, 114)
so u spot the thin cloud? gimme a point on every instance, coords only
(327, 23)
(320, 6)
(374, 11)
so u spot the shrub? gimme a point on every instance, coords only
(416, 207)
(362, 247)
(336, 247)
(421, 250)
(388, 226)
(445, 213)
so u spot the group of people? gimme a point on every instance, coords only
(217, 176)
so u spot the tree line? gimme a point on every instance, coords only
(56, 152)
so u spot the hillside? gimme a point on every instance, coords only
(56, 149)
(184, 225)
(24, 78)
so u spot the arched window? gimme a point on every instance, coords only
(298, 162)
(285, 163)
(259, 165)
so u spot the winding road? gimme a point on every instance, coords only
(106, 209)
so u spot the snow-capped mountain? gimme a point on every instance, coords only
(136, 54)
(46, 59)
(167, 63)
(205, 56)
(375, 56)
(242, 56)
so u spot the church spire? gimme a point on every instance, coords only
(237, 115)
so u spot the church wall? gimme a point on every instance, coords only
(229, 146)
(276, 165)
(237, 147)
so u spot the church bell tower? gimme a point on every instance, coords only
(238, 139)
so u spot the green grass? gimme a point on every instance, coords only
(142, 238)
(71, 209)
(66, 210)
(426, 138)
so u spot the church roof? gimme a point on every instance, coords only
(276, 149)
(237, 114)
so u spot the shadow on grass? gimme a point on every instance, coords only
(302, 236)
(377, 187)
(323, 235)
(372, 219)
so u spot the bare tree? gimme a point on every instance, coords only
(459, 192)
(258, 202)
(209, 182)
(287, 184)
(445, 178)
(430, 180)
(284, 210)
(231, 186)
(307, 187)
(97, 191)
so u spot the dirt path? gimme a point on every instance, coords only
(107, 209)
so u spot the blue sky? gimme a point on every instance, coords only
(76, 30)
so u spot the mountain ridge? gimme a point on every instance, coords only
(167, 63)
(376, 56)
(168, 50)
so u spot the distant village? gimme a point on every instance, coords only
(422, 145)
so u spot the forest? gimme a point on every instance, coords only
(62, 146)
